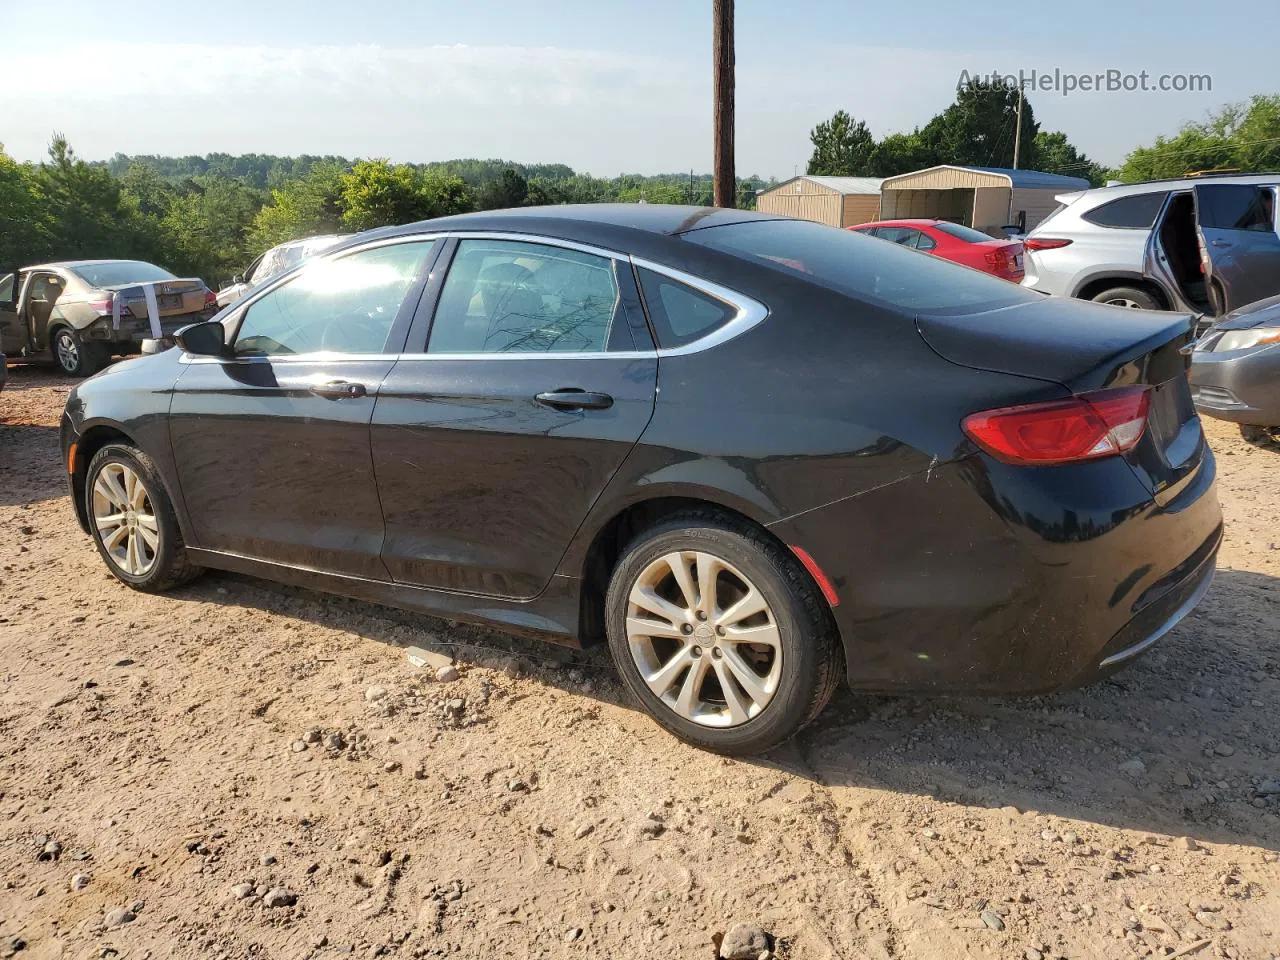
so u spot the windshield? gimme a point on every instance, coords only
(114, 273)
(863, 267)
(968, 234)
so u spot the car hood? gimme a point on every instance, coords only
(1262, 313)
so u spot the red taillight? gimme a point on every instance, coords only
(210, 299)
(1083, 427)
(104, 306)
(1045, 243)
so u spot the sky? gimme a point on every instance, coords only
(606, 87)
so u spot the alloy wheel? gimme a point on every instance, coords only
(704, 639)
(125, 519)
(1125, 302)
(68, 351)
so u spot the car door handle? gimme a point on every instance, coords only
(339, 390)
(572, 398)
(1219, 243)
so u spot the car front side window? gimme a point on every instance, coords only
(506, 296)
(344, 305)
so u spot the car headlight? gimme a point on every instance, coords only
(1244, 339)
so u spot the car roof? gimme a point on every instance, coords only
(1157, 186)
(905, 222)
(72, 264)
(580, 220)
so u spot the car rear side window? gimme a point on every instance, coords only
(882, 272)
(1137, 212)
(8, 288)
(344, 305)
(506, 296)
(1230, 206)
(679, 313)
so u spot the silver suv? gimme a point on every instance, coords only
(1205, 244)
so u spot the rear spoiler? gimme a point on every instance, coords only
(1066, 199)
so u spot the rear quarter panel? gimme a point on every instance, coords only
(825, 400)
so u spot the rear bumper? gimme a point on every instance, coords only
(134, 331)
(983, 579)
(1185, 589)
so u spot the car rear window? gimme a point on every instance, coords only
(857, 265)
(1133, 213)
(119, 272)
(960, 232)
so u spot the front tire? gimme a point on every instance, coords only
(720, 634)
(75, 357)
(132, 521)
(1134, 298)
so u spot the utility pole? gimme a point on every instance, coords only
(725, 187)
(1017, 133)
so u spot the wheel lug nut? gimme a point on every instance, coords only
(702, 615)
(697, 651)
(720, 631)
(716, 653)
(686, 628)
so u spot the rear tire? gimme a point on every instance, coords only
(132, 521)
(1135, 298)
(678, 673)
(73, 356)
(1260, 436)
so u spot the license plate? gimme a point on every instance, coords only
(169, 301)
(1018, 260)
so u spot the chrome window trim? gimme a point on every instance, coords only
(749, 312)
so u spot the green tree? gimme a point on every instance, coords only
(377, 194)
(901, 153)
(510, 189)
(207, 229)
(1242, 136)
(301, 208)
(842, 147)
(24, 237)
(444, 194)
(85, 209)
(1052, 152)
(978, 128)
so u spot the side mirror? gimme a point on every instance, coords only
(238, 278)
(208, 339)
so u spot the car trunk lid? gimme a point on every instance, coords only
(1086, 347)
(174, 298)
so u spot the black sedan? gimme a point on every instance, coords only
(757, 455)
(1235, 370)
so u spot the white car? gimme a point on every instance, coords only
(275, 261)
(1205, 244)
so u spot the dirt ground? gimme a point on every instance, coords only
(239, 769)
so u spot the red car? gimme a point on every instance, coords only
(951, 241)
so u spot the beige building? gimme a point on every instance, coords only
(835, 201)
(985, 198)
